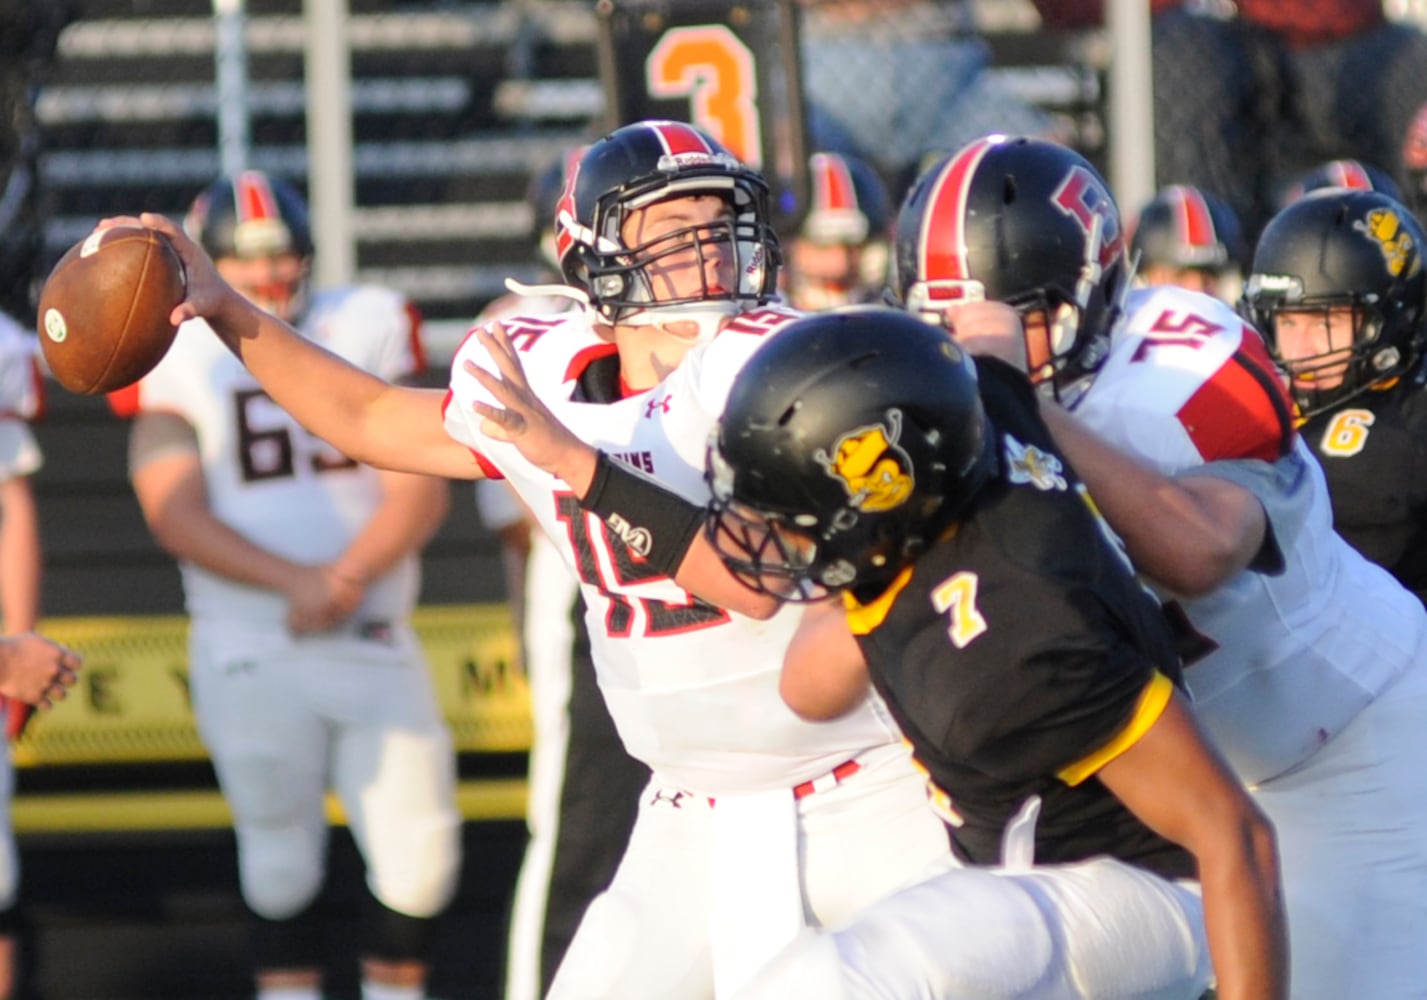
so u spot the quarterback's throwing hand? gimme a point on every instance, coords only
(522, 419)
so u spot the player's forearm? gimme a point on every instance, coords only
(412, 511)
(1243, 915)
(824, 672)
(1189, 535)
(20, 556)
(206, 542)
(703, 574)
(329, 396)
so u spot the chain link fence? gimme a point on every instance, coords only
(111, 105)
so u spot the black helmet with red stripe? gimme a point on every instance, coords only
(849, 202)
(839, 255)
(253, 214)
(636, 166)
(1023, 221)
(1355, 175)
(1187, 228)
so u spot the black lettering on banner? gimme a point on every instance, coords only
(101, 689)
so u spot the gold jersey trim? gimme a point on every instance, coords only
(1153, 701)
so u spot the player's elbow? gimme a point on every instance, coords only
(1221, 533)
(812, 702)
(1198, 570)
(758, 606)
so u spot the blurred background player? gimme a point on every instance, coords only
(1356, 175)
(583, 788)
(1414, 164)
(300, 570)
(1188, 237)
(1250, 94)
(21, 400)
(858, 56)
(840, 252)
(1339, 290)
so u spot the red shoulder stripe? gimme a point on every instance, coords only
(1244, 410)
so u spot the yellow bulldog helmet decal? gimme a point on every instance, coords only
(1384, 227)
(873, 469)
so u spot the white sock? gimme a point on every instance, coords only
(290, 993)
(387, 991)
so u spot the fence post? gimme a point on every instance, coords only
(330, 182)
(1131, 83)
(230, 58)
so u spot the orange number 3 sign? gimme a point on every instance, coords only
(715, 70)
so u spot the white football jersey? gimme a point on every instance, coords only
(22, 399)
(268, 478)
(1296, 655)
(693, 689)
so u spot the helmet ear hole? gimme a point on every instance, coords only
(609, 285)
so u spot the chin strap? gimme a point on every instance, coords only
(559, 290)
(706, 317)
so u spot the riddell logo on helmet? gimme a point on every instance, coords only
(672, 163)
(755, 261)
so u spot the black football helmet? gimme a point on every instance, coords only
(640, 164)
(1343, 247)
(849, 202)
(1187, 228)
(253, 214)
(839, 256)
(1023, 221)
(1355, 175)
(849, 442)
(258, 219)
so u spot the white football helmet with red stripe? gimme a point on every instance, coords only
(635, 166)
(1023, 221)
(256, 217)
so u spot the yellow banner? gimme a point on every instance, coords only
(131, 703)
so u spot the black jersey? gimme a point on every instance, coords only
(1373, 449)
(1020, 652)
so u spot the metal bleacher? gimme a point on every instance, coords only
(454, 104)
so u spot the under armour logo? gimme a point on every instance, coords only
(654, 406)
(673, 798)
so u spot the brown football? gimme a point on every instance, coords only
(103, 314)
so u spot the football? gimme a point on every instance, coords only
(103, 313)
